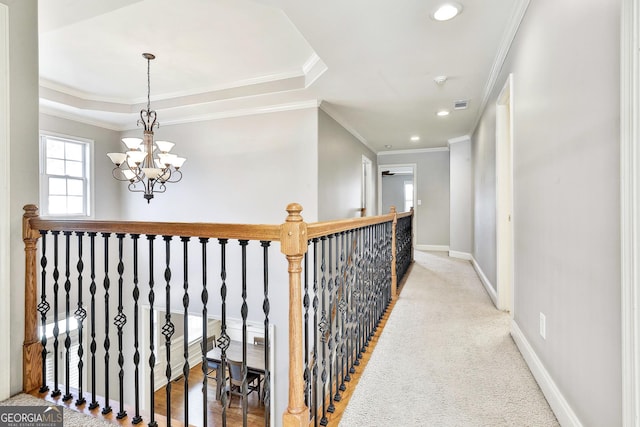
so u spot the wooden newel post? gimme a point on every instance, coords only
(394, 273)
(31, 348)
(293, 243)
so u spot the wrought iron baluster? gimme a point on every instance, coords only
(336, 315)
(314, 372)
(137, 418)
(152, 355)
(80, 314)
(244, 312)
(305, 304)
(205, 324)
(67, 314)
(185, 335)
(348, 301)
(266, 384)
(342, 308)
(107, 342)
(168, 328)
(56, 275)
(323, 327)
(92, 289)
(43, 308)
(119, 321)
(223, 341)
(330, 285)
(358, 294)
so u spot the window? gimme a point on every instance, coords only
(64, 176)
(408, 195)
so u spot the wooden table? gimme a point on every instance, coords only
(255, 360)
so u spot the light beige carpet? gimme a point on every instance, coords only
(446, 358)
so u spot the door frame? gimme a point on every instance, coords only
(5, 203)
(630, 210)
(414, 168)
(367, 184)
(504, 199)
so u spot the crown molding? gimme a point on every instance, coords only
(414, 151)
(465, 138)
(517, 15)
(313, 69)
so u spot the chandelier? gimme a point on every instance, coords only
(147, 165)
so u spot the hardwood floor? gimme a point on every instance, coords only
(255, 415)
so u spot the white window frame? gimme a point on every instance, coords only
(87, 178)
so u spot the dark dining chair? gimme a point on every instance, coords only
(235, 381)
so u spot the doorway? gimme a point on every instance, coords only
(504, 197)
(367, 208)
(397, 187)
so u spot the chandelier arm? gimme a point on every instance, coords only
(174, 173)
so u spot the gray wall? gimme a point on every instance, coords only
(238, 170)
(23, 144)
(432, 173)
(339, 170)
(565, 61)
(461, 198)
(393, 191)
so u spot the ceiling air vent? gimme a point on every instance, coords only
(461, 105)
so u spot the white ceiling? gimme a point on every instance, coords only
(370, 64)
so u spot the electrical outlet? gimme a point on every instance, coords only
(543, 326)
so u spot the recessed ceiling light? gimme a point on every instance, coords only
(388, 146)
(415, 138)
(440, 80)
(447, 11)
(442, 113)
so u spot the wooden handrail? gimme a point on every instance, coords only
(210, 230)
(293, 236)
(319, 229)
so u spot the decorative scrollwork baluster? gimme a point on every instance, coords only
(67, 315)
(168, 328)
(119, 321)
(330, 286)
(107, 342)
(43, 309)
(152, 355)
(323, 328)
(80, 314)
(92, 289)
(205, 324)
(266, 384)
(223, 340)
(314, 354)
(56, 330)
(137, 418)
(185, 343)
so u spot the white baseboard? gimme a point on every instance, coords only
(438, 248)
(460, 255)
(485, 281)
(561, 408)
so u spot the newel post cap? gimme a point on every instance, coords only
(293, 233)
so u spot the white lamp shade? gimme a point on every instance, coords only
(167, 159)
(136, 156)
(178, 162)
(164, 146)
(152, 173)
(117, 158)
(132, 143)
(131, 163)
(129, 175)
